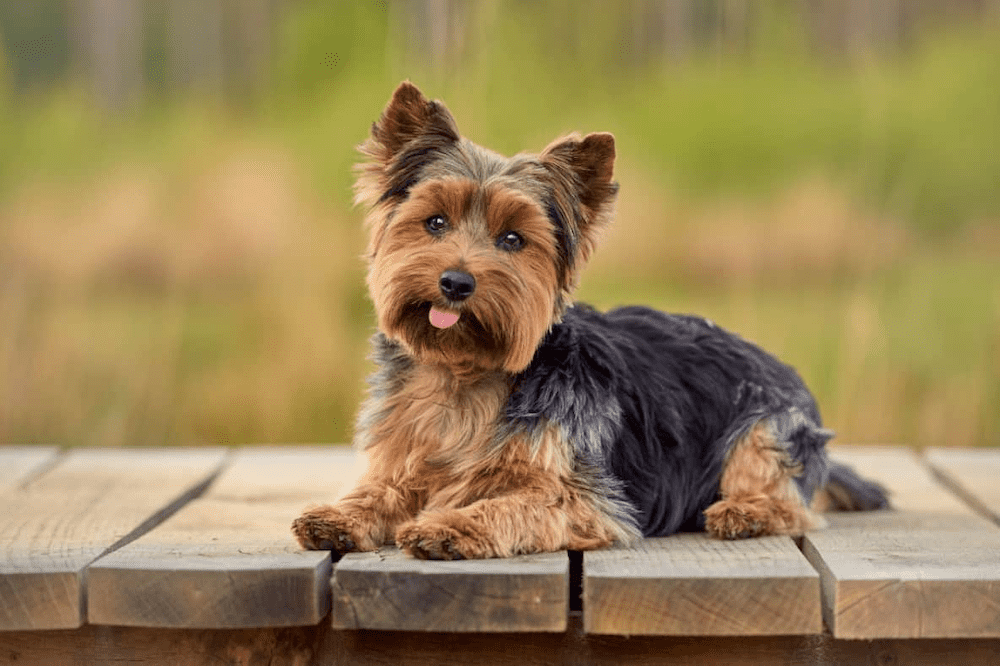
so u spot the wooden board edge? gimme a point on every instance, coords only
(439, 589)
(63, 591)
(310, 586)
(795, 623)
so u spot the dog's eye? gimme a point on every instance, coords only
(436, 224)
(510, 241)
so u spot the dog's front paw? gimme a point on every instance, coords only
(443, 537)
(329, 528)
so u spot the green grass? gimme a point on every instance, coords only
(156, 289)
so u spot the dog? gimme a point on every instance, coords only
(503, 418)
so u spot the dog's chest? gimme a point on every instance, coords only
(433, 416)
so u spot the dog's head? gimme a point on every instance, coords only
(473, 256)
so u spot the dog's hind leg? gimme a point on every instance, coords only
(758, 491)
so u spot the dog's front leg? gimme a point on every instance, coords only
(362, 520)
(533, 520)
(523, 522)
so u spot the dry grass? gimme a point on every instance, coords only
(809, 231)
(207, 304)
(221, 301)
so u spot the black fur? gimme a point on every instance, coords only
(849, 492)
(657, 400)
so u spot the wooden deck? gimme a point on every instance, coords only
(180, 556)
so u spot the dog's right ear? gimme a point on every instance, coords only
(408, 116)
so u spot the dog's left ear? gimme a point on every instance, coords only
(583, 169)
(591, 160)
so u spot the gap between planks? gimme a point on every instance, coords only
(971, 474)
(228, 558)
(91, 501)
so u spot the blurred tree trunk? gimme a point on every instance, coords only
(194, 44)
(673, 20)
(672, 30)
(734, 26)
(872, 26)
(107, 36)
(248, 39)
(435, 31)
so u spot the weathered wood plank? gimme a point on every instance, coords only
(228, 559)
(975, 473)
(911, 488)
(691, 584)
(388, 590)
(320, 645)
(91, 501)
(18, 463)
(930, 569)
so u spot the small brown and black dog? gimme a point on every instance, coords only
(503, 418)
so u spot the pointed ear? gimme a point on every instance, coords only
(407, 116)
(583, 193)
(592, 161)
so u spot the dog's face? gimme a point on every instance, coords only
(473, 256)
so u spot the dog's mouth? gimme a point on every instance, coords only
(455, 335)
(440, 318)
(448, 322)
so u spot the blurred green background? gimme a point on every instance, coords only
(180, 259)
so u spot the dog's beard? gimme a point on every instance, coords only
(466, 342)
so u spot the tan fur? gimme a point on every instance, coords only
(439, 487)
(759, 494)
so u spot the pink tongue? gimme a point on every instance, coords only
(442, 319)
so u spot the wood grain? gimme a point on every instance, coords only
(974, 473)
(910, 486)
(90, 502)
(388, 590)
(228, 559)
(930, 569)
(18, 463)
(691, 584)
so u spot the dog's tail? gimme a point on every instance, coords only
(846, 491)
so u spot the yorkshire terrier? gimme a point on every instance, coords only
(503, 418)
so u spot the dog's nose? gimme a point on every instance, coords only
(456, 285)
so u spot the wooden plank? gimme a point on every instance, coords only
(973, 473)
(90, 502)
(18, 463)
(911, 488)
(930, 569)
(228, 559)
(692, 584)
(390, 591)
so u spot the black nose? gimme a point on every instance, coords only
(456, 285)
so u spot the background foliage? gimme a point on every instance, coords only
(179, 258)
